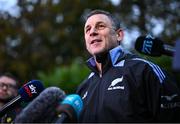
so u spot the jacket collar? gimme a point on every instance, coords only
(115, 54)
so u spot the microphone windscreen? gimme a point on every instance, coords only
(31, 90)
(149, 45)
(43, 108)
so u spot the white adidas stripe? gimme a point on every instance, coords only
(155, 68)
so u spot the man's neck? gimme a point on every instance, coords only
(99, 66)
(100, 60)
(103, 60)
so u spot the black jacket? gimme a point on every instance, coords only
(130, 89)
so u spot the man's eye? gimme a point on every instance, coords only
(87, 30)
(100, 26)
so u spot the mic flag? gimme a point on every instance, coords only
(70, 109)
(31, 90)
(153, 46)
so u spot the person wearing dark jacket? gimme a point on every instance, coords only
(8, 90)
(122, 87)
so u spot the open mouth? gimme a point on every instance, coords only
(95, 41)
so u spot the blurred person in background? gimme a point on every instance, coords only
(8, 90)
(122, 87)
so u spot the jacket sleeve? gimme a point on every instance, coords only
(170, 100)
(163, 94)
(152, 88)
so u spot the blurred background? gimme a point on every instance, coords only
(43, 39)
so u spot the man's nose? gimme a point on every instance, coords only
(93, 31)
(5, 87)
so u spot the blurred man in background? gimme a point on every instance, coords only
(8, 90)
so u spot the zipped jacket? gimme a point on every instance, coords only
(129, 89)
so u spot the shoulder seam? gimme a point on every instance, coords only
(157, 70)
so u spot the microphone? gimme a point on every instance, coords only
(70, 109)
(43, 108)
(153, 46)
(26, 93)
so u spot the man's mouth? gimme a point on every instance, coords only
(95, 41)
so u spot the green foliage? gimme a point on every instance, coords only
(65, 77)
(49, 34)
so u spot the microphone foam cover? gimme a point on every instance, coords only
(43, 108)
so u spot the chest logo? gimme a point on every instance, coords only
(114, 83)
(169, 98)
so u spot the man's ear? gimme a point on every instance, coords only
(120, 34)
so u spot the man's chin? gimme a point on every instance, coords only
(99, 52)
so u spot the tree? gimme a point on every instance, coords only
(49, 33)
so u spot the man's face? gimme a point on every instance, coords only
(7, 88)
(100, 35)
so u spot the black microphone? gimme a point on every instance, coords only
(26, 93)
(153, 46)
(70, 109)
(43, 108)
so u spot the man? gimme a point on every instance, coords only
(122, 87)
(8, 90)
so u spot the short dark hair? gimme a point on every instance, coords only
(115, 21)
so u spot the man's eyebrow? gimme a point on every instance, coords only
(99, 22)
